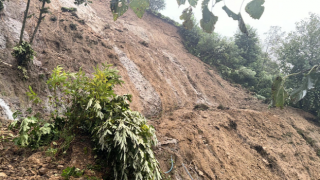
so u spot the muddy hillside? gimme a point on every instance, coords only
(238, 137)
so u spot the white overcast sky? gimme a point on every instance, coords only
(283, 13)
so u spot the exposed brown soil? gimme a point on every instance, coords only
(245, 140)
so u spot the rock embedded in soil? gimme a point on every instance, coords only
(2, 174)
(43, 171)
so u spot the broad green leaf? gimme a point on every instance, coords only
(208, 19)
(89, 103)
(308, 82)
(193, 2)
(118, 8)
(45, 130)
(279, 94)
(242, 25)
(139, 7)
(230, 13)
(186, 16)
(255, 8)
(181, 2)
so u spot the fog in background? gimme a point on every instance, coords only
(283, 13)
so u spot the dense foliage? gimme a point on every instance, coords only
(299, 56)
(23, 53)
(89, 105)
(33, 132)
(254, 8)
(157, 5)
(239, 60)
(1, 5)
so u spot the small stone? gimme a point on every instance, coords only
(265, 161)
(48, 159)
(34, 161)
(31, 172)
(2, 174)
(37, 63)
(43, 171)
(200, 173)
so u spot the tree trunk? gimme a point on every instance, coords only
(24, 21)
(39, 21)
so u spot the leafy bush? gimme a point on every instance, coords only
(202, 107)
(24, 53)
(1, 5)
(157, 5)
(33, 132)
(239, 60)
(89, 105)
(65, 9)
(24, 72)
(116, 130)
(72, 171)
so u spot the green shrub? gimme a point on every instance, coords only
(23, 53)
(157, 5)
(222, 107)
(87, 105)
(201, 107)
(65, 9)
(33, 132)
(72, 171)
(121, 134)
(1, 5)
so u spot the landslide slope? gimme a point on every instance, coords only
(241, 140)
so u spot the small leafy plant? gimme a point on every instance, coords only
(202, 107)
(1, 5)
(24, 72)
(32, 132)
(72, 171)
(65, 9)
(24, 53)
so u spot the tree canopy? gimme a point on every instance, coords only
(299, 57)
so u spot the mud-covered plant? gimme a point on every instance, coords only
(122, 135)
(24, 53)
